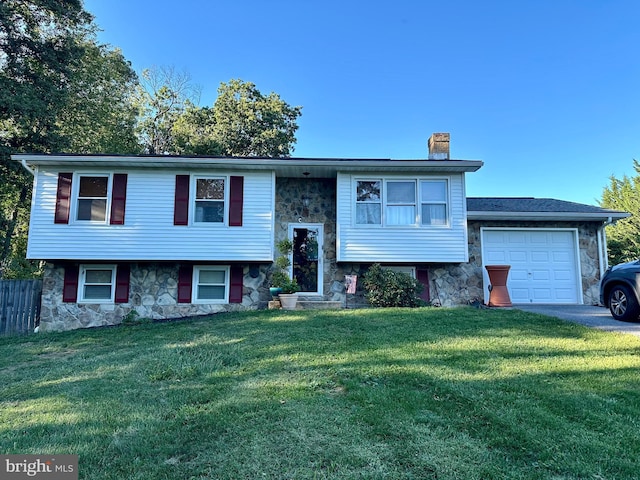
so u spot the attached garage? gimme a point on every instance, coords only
(557, 250)
(545, 266)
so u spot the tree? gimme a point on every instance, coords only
(162, 96)
(99, 115)
(242, 122)
(59, 92)
(248, 123)
(38, 49)
(623, 238)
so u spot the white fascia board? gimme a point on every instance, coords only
(577, 216)
(315, 167)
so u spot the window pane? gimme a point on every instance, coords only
(92, 210)
(401, 192)
(368, 191)
(400, 215)
(93, 186)
(207, 211)
(434, 214)
(206, 292)
(368, 214)
(97, 292)
(98, 276)
(210, 189)
(434, 191)
(212, 276)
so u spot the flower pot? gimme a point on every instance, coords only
(498, 293)
(275, 291)
(288, 301)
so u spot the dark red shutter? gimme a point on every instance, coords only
(236, 194)
(422, 275)
(181, 205)
(63, 198)
(185, 278)
(122, 283)
(118, 198)
(235, 288)
(70, 289)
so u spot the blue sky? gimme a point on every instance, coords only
(545, 92)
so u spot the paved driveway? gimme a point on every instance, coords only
(589, 315)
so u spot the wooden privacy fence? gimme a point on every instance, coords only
(19, 306)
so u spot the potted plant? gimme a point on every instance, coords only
(282, 284)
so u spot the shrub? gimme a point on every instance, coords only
(386, 288)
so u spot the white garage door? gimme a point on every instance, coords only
(544, 266)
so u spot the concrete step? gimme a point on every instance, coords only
(319, 305)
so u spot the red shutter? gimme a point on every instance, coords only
(122, 283)
(118, 198)
(422, 275)
(63, 198)
(70, 289)
(185, 278)
(235, 288)
(236, 194)
(181, 205)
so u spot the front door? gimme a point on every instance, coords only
(307, 255)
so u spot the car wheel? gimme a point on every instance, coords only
(623, 304)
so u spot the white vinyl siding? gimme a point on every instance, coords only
(148, 232)
(402, 243)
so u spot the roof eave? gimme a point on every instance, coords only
(542, 216)
(314, 167)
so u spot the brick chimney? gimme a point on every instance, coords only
(439, 146)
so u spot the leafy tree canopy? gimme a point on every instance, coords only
(623, 237)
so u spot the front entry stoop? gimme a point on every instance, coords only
(317, 303)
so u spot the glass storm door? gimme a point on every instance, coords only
(307, 256)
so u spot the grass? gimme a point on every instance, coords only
(359, 394)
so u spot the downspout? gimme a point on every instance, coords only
(602, 246)
(27, 167)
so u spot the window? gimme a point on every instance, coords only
(369, 202)
(391, 202)
(209, 200)
(401, 203)
(97, 283)
(211, 284)
(92, 198)
(434, 202)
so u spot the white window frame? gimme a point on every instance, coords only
(385, 203)
(75, 195)
(384, 181)
(82, 283)
(409, 270)
(446, 203)
(196, 282)
(193, 199)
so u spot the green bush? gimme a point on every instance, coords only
(386, 288)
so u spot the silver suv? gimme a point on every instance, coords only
(619, 291)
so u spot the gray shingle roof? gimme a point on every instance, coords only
(536, 208)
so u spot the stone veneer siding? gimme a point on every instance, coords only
(153, 292)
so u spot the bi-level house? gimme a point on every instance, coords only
(169, 236)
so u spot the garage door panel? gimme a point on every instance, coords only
(539, 257)
(517, 256)
(543, 263)
(540, 275)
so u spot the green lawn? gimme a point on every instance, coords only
(363, 394)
